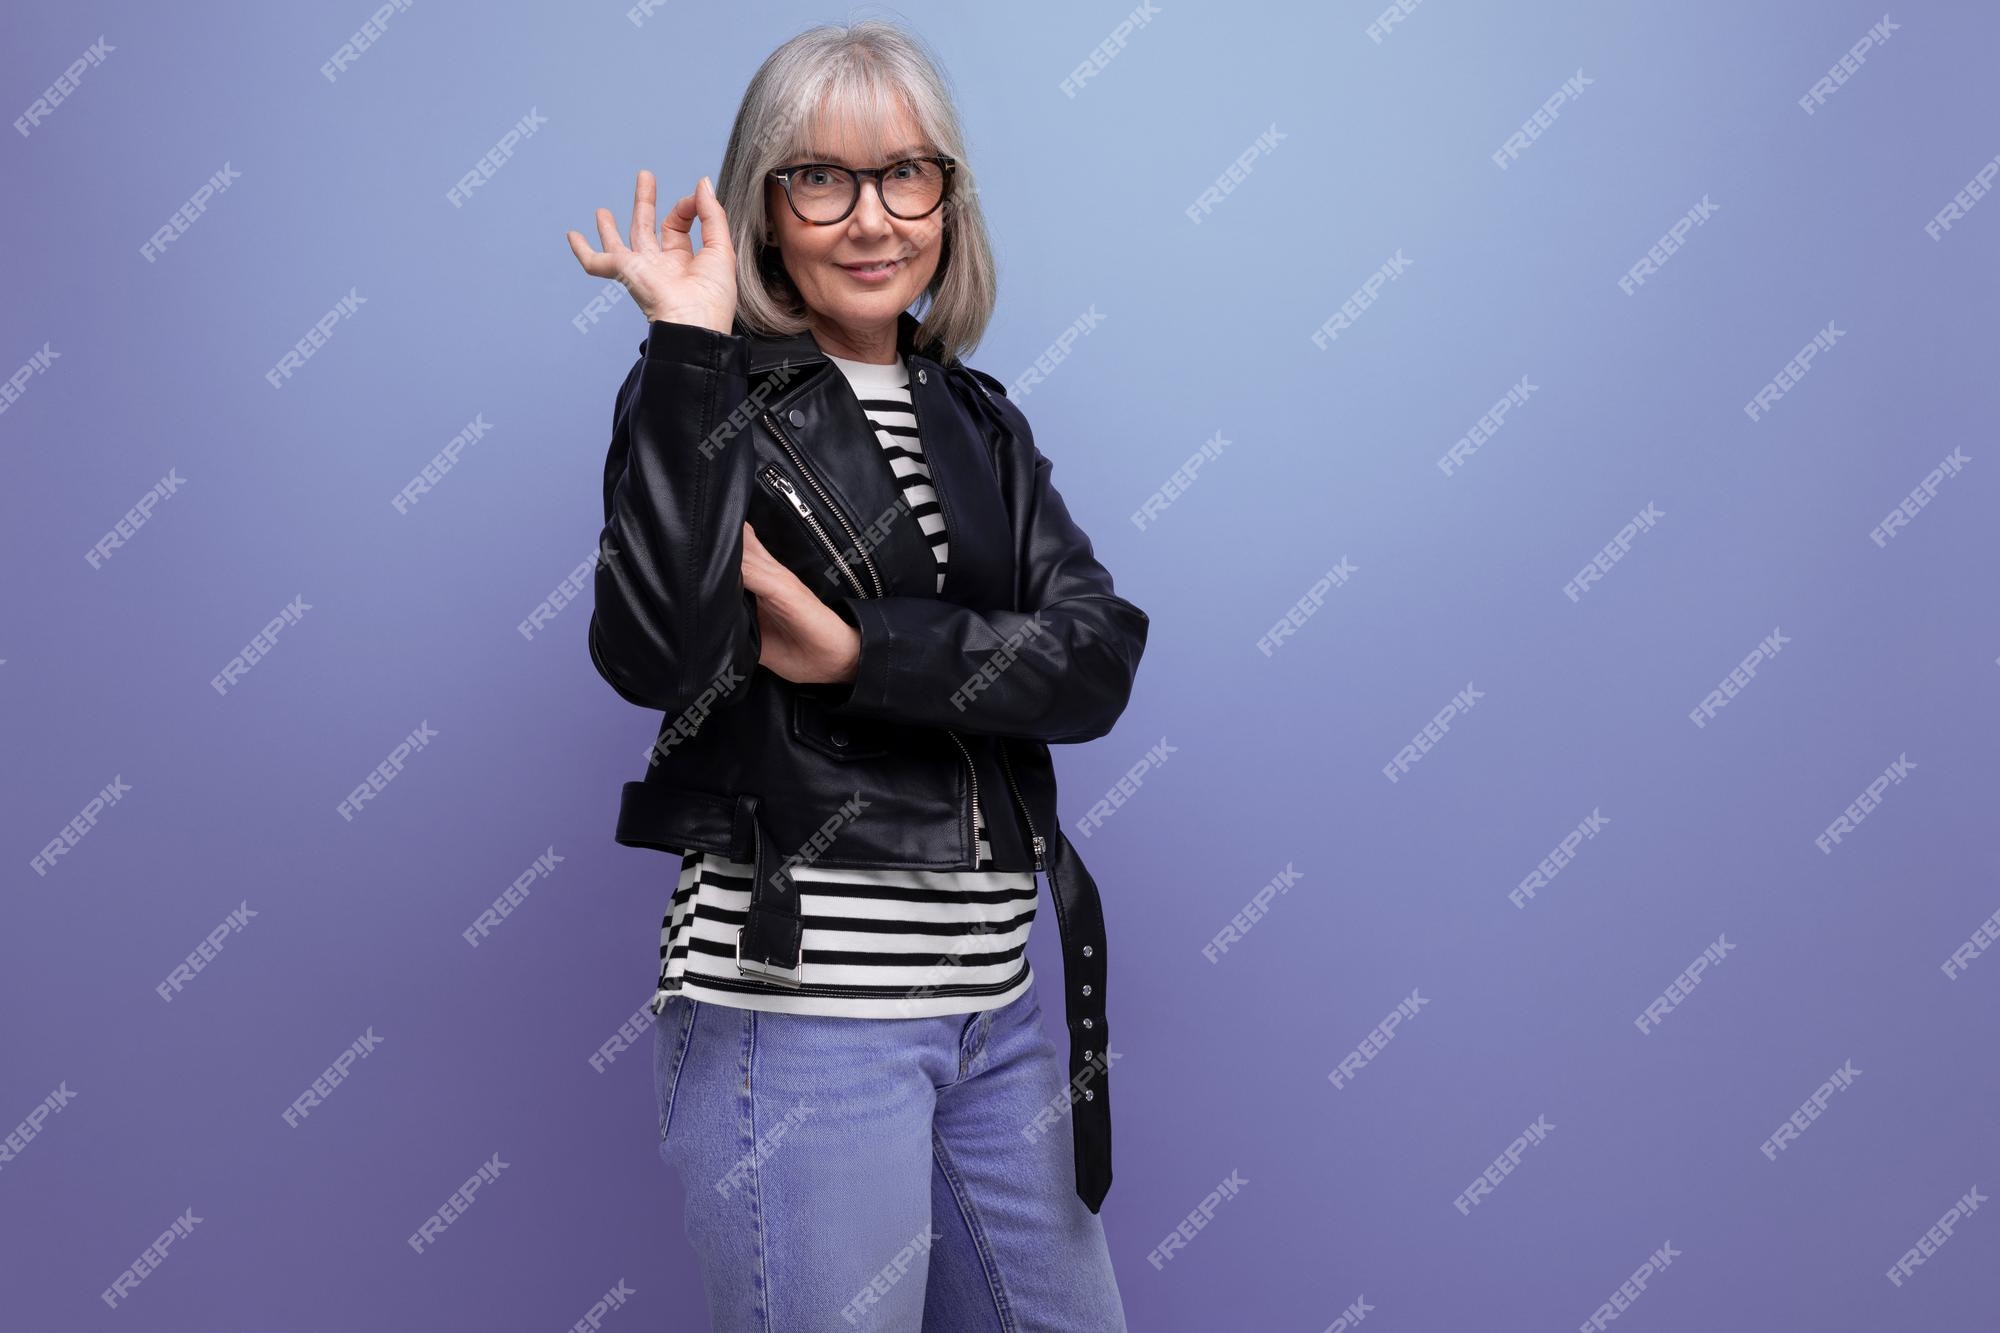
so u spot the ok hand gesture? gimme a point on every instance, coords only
(668, 279)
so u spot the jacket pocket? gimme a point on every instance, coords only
(836, 738)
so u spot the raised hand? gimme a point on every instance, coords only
(669, 280)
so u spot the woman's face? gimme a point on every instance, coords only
(848, 305)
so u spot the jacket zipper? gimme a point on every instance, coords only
(1034, 838)
(798, 503)
(783, 484)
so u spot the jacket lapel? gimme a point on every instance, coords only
(818, 412)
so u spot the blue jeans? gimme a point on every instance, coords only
(882, 1174)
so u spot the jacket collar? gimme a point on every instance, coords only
(769, 352)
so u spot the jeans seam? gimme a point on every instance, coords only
(1002, 1308)
(756, 1184)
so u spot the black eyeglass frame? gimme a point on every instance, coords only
(855, 175)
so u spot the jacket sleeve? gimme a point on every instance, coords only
(1058, 671)
(671, 618)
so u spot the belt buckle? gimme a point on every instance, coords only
(772, 972)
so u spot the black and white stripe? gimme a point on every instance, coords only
(877, 943)
(884, 392)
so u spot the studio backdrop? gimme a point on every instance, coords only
(1548, 858)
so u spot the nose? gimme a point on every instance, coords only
(870, 214)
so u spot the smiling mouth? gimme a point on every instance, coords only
(877, 266)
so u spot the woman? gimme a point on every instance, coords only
(833, 558)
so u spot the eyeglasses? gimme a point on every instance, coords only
(823, 194)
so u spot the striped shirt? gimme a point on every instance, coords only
(884, 392)
(876, 943)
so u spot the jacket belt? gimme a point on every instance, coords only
(679, 819)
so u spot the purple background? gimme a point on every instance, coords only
(1277, 759)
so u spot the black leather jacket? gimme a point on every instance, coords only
(958, 694)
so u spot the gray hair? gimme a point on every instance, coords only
(862, 72)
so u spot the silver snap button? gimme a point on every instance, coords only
(1086, 1024)
(1089, 1096)
(920, 376)
(1086, 990)
(1086, 951)
(837, 737)
(796, 417)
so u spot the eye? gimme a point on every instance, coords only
(816, 176)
